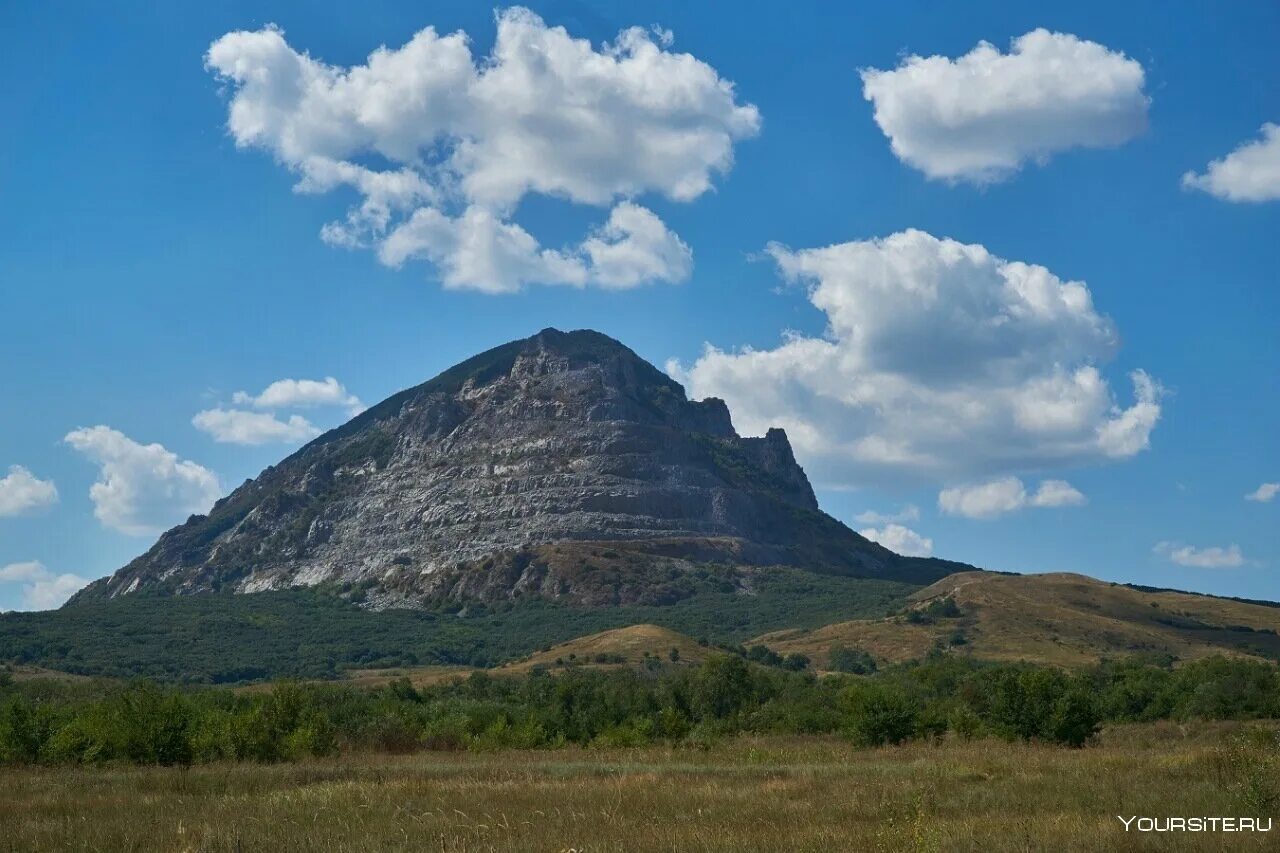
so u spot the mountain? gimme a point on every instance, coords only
(1059, 618)
(562, 467)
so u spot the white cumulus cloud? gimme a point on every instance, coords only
(22, 492)
(939, 360)
(909, 512)
(1054, 493)
(301, 394)
(142, 488)
(41, 588)
(1250, 173)
(900, 540)
(1264, 493)
(1201, 558)
(982, 116)
(442, 146)
(1004, 495)
(237, 426)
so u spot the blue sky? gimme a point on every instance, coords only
(151, 267)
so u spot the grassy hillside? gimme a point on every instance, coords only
(617, 647)
(308, 634)
(1062, 619)
(612, 649)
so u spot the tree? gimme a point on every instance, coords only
(880, 713)
(722, 687)
(854, 661)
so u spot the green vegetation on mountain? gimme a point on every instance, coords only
(315, 634)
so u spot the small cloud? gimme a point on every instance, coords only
(236, 426)
(1201, 558)
(1054, 493)
(41, 588)
(1264, 493)
(909, 512)
(1250, 173)
(21, 492)
(301, 394)
(900, 540)
(1004, 495)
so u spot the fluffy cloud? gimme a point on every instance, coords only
(442, 146)
(1004, 495)
(241, 426)
(22, 492)
(939, 360)
(910, 512)
(41, 588)
(479, 251)
(236, 426)
(900, 540)
(1264, 493)
(301, 394)
(982, 116)
(1201, 558)
(1250, 173)
(142, 488)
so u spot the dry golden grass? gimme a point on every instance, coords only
(420, 676)
(631, 643)
(750, 794)
(1061, 619)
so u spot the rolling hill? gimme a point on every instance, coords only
(1063, 619)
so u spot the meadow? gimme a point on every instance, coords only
(751, 793)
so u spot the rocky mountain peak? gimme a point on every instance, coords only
(468, 484)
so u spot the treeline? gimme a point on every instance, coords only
(314, 634)
(942, 696)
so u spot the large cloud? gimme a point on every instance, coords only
(1250, 173)
(442, 146)
(940, 360)
(142, 488)
(22, 492)
(41, 588)
(982, 116)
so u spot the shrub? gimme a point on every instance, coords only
(880, 714)
(854, 661)
(1247, 765)
(722, 687)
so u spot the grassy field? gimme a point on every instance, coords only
(744, 794)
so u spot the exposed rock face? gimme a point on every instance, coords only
(458, 487)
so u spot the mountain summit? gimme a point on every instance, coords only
(559, 466)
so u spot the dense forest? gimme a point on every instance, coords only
(661, 700)
(318, 633)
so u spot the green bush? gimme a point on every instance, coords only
(43, 721)
(853, 661)
(880, 714)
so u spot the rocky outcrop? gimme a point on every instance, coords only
(456, 488)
